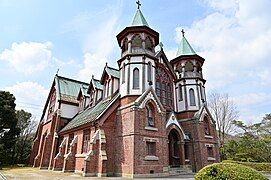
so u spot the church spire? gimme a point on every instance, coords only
(139, 19)
(185, 48)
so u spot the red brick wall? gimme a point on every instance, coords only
(142, 166)
(198, 152)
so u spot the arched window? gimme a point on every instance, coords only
(206, 126)
(180, 93)
(148, 44)
(189, 67)
(169, 96)
(158, 88)
(192, 97)
(136, 78)
(136, 41)
(163, 87)
(202, 93)
(123, 73)
(150, 116)
(149, 72)
(125, 45)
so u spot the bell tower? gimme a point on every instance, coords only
(137, 62)
(190, 89)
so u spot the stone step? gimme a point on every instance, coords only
(179, 171)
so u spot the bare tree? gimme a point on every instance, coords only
(224, 112)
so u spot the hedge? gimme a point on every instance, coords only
(229, 171)
(266, 167)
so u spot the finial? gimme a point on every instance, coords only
(106, 64)
(92, 76)
(183, 32)
(138, 4)
(57, 71)
(161, 45)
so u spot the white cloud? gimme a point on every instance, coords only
(234, 38)
(253, 99)
(98, 47)
(235, 45)
(93, 65)
(28, 57)
(30, 96)
(96, 32)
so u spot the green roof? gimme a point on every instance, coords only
(68, 89)
(185, 48)
(90, 114)
(97, 84)
(139, 19)
(113, 72)
(84, 90)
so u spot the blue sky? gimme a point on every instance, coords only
(78, 37)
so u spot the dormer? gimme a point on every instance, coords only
(83, 98)
(110, 81)
(95, 91)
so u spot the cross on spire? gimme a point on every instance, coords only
(183, 32)
(138, 4)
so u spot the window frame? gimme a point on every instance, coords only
(150, 116)
(136, 79)
(192, 97)
(134, 41)
(210, 151)
(180, 92)
(206, 124)
(151, 148)
(85, 141)
(162, 78)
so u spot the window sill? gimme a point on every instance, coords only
(81, 155)
(208, 137)
(211, 159)
(151, 158)
(151, 128)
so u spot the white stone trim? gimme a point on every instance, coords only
(151, 158)
(211, 159)
(173, 120)
(149, 128)
(209, 145)
(90, 153)
(103, 155)
(80, 155)
(148, 139)
(208, 137)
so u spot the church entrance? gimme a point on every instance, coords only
(174, 148)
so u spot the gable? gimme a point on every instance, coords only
(149, 94)
(161, 55)
(173, 120)
(204, 111)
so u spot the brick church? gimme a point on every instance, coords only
(146, 118)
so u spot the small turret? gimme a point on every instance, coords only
(190, 83)
(137, 62)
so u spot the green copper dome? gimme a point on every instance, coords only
(185, 48)
(139, 19)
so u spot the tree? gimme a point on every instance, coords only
(8, 120)
(254, 143)
(27, 125)
(224, 112)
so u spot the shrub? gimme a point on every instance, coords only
(255, 165)
(231, 171)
